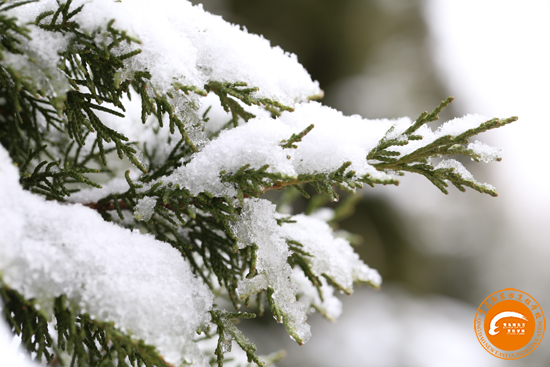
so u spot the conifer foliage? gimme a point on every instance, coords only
(137, 141)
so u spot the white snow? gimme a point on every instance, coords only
(331, 256)
(486, 152)
(334, 140)
(453, 128)
(330, 306)
(48, 249)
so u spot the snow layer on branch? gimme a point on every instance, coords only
(334, 140)
(48, 249)
(485, 152)
(331, 256)
(257, 225)
(184, 43)
(452, 127)
(462, 171)
(457, 167)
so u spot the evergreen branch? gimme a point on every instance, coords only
(227, 90)
(10, 29)
(250, 182)
(327, 183)
(426, 117)
(296, 138)
(231, 93)
(153, 103)
(20, 114)
(171, 162)
(418, 160)
(254, 182)
(51, 181)
(404, 138)
(14, 5)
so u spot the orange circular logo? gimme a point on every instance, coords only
(509, 324)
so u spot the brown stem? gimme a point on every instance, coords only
(107, 206)
(280, 185)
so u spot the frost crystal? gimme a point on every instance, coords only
(145, 208)
(257, 225)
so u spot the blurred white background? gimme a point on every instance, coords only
(493, 56)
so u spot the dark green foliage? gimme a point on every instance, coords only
(231, 93)
(27, 321)
(49, 179)
(220, 255)
(295, 138)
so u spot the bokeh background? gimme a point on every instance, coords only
(439, 255)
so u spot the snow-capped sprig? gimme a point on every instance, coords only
(393, 154)
(101, 63)
(314, 146)
(320, 254)
(481, 152)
